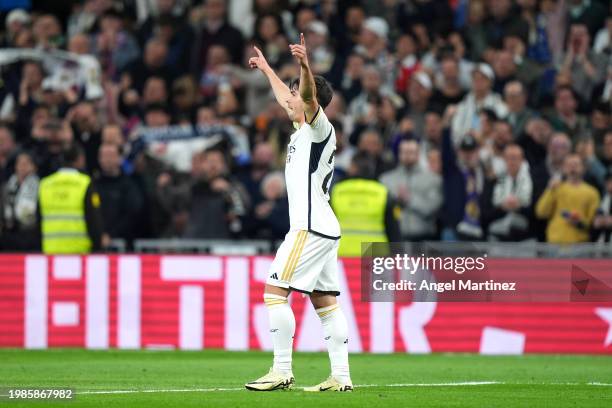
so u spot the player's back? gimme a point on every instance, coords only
(308, 172)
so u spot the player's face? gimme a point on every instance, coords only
(295, 106)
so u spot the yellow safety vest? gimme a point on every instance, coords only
(359, 205)
(62, 207)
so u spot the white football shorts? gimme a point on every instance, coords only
(306, 262)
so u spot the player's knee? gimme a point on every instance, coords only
(271, 299)
(322, 300)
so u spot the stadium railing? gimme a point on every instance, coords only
(492, 249)
(206, 246)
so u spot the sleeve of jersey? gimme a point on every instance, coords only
(320, 125)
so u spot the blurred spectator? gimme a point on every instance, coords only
(8, 151)
(588, 12)
(538, 42)
(481, 96)
(113, 45)
(434, 161)
(87, 131)
(47, 32)
(419, 94)
(432, 135)
(569, 206)
(595, 172)
(370, 143)
(463, 181)
(602, 223)
(603, 39)
(272, 213)
(492, 152)
(85, 15)
(601, 122)
(606, 155)
(322, 56)
(372, 46)
(407, 61)
(363, 107)
(417, 190)
(565, 118)
(19, 224)
(515, 96)
(213, 29)
(121, 199)
(30, 87)
(173, 30)
(587, 68)
(364, 207)
(504, 20)
(559, 147)
(475, 31)
(71, 221)
(155, 91)
(352, 83)
(185, 97)
(348, 34)
(214, 73)
(506, 206)
(217, 200)
(603, 91)
(534, 140)
(112, 134)
(152, 63)
(449, 90)
(50, 138)
(16, 22)
(555, 16)
(505, 70)
(251, 177)
(344, 151)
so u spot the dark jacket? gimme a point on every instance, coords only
(121, 204)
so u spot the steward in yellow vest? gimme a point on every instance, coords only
(364, 208)
(70, 217)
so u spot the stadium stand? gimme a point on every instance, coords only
(509, 103)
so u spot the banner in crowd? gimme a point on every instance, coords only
(194, 302)
(65, 69)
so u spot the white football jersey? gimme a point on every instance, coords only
(308, 174)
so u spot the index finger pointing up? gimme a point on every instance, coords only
(302, 42)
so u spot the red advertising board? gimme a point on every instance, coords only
(195, 302)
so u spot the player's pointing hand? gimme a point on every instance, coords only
(259, 61)
(299, 51)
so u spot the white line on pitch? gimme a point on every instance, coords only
(448, 384)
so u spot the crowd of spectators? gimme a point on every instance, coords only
(485, 119)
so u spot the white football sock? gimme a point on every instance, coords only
(335, 331)
(282, 329)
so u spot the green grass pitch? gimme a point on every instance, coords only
(191, 379)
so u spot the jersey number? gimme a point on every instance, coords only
(328, 176)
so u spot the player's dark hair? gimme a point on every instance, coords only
(324, 89)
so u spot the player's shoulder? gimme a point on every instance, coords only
(320, 124)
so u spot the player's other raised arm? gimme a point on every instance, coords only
(279, 88)
(308, 89)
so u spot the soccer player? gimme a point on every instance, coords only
(306, 261)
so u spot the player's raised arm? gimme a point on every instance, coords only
(279, 88)
(308, 90)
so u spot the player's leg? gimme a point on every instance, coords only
(335, 328)
(280, 317)
(282, 327)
